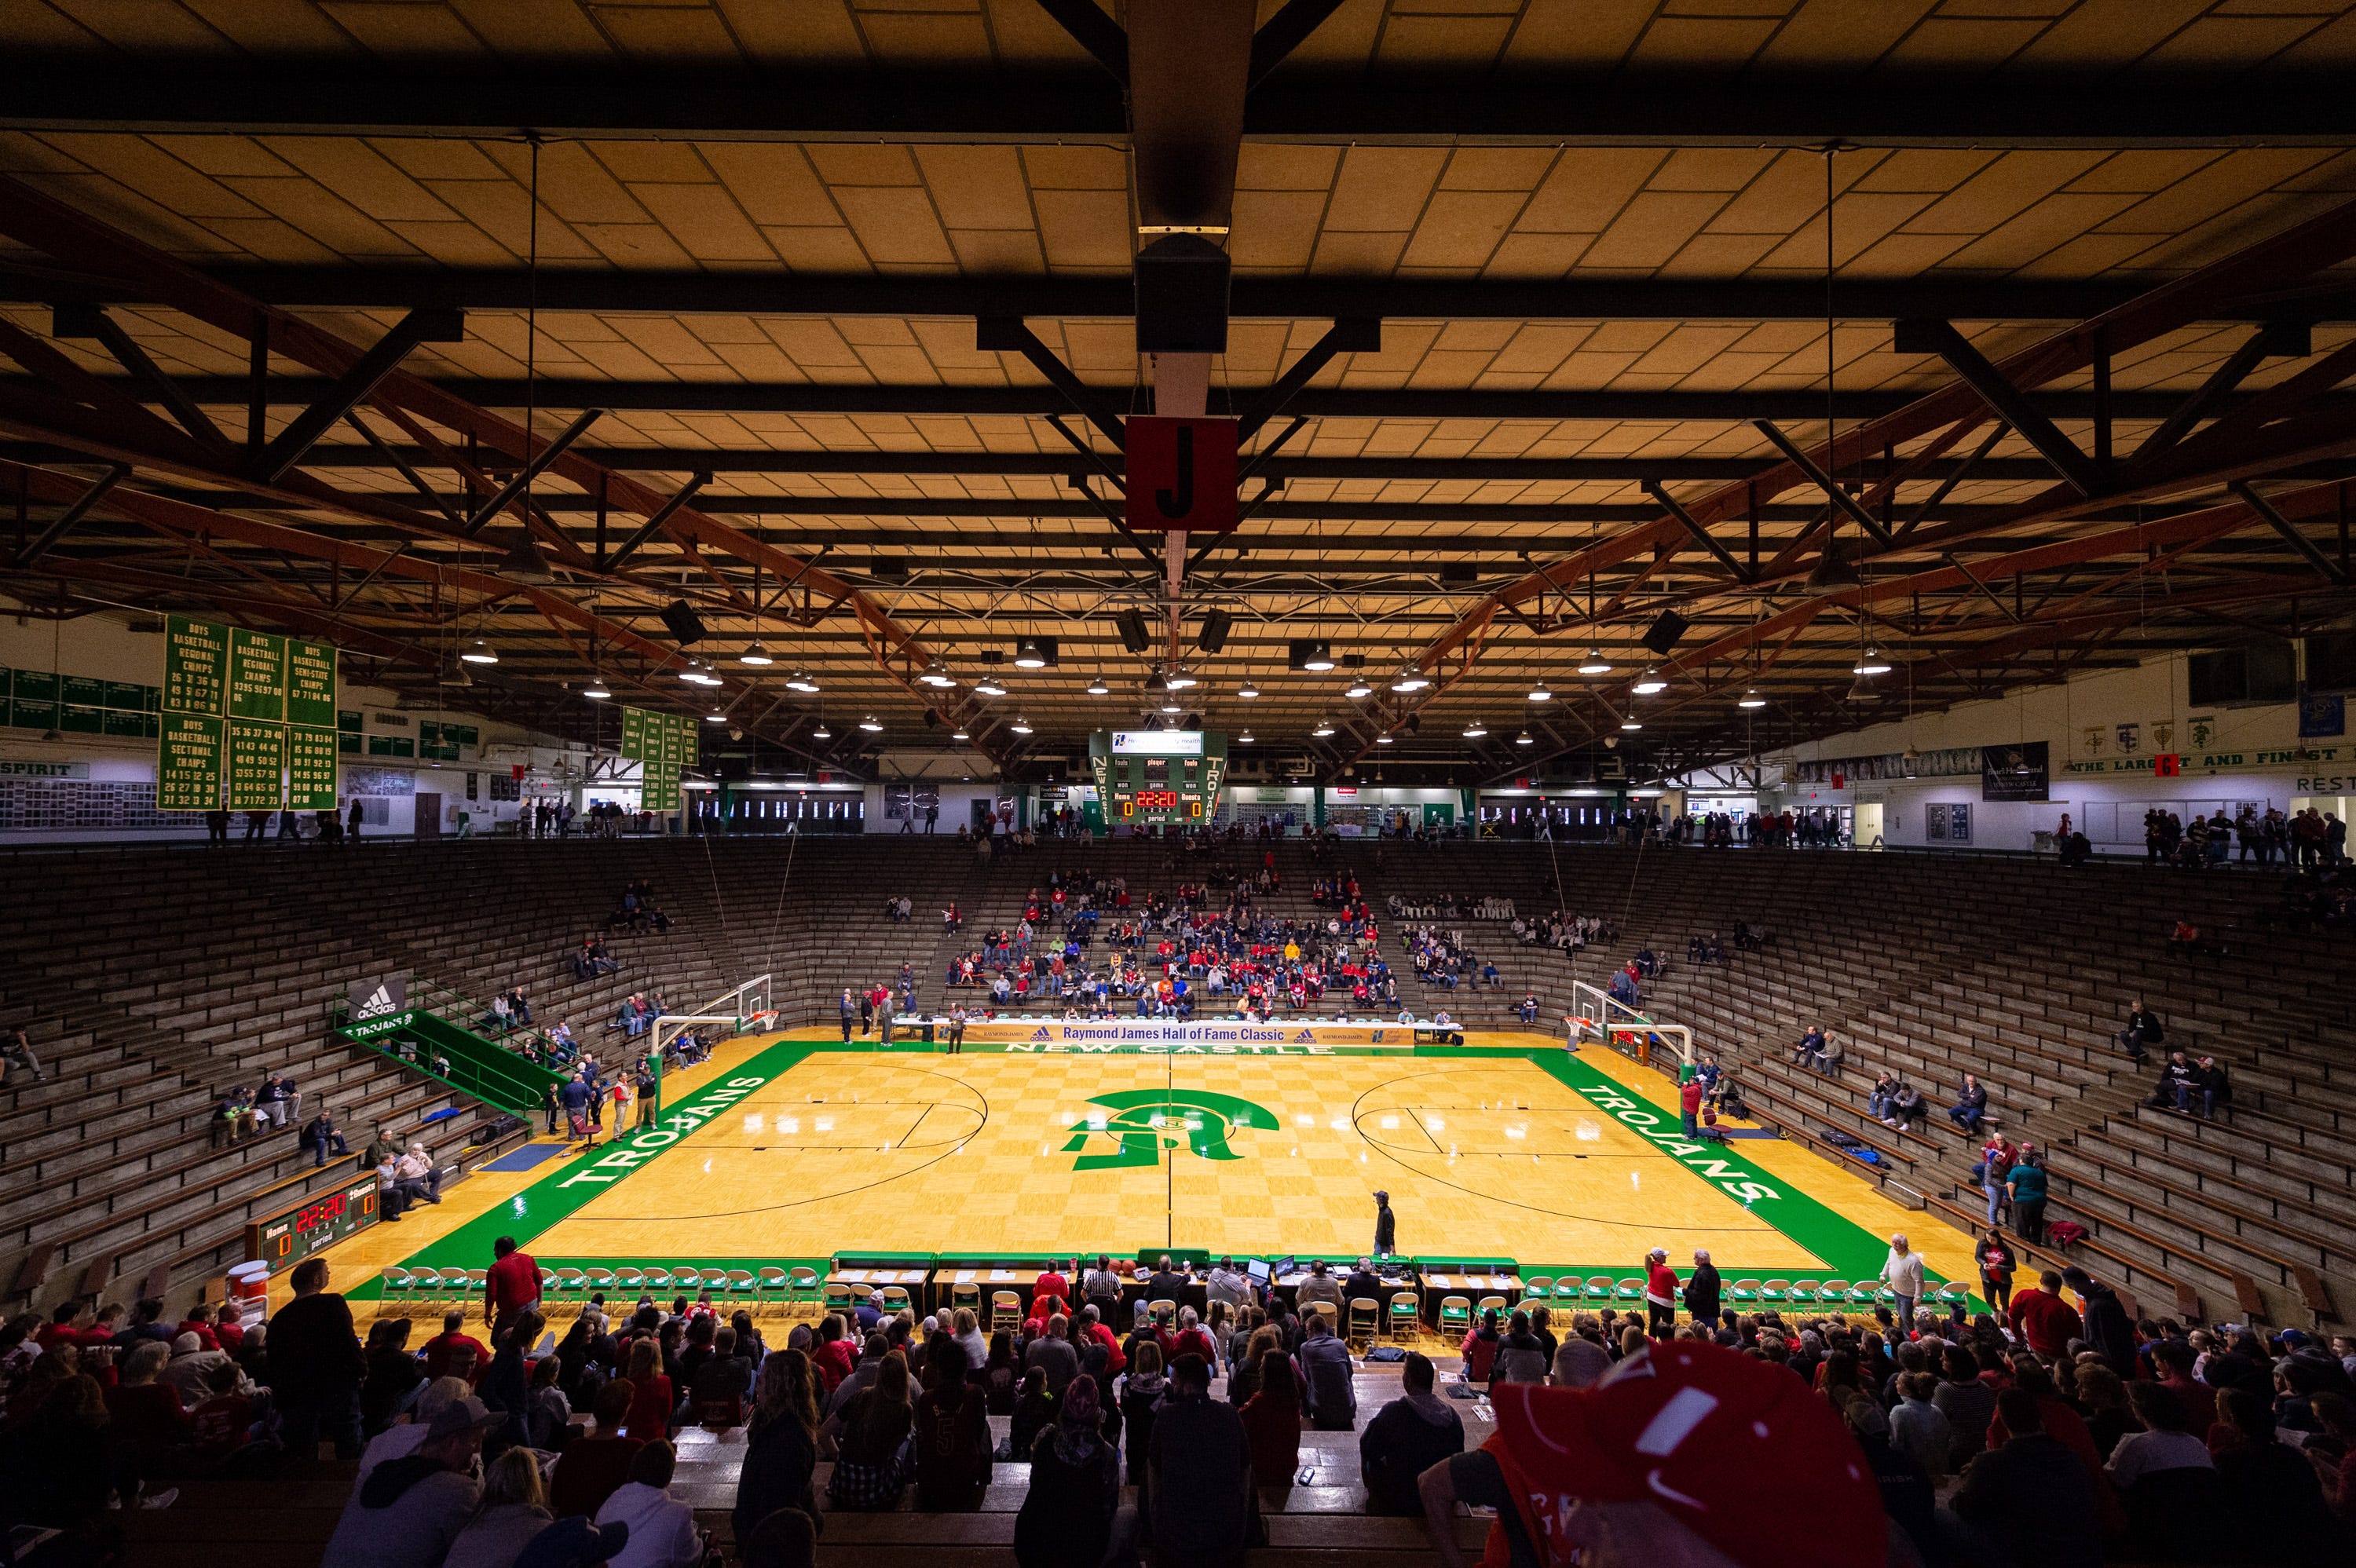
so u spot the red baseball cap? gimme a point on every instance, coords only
(1738, 1450)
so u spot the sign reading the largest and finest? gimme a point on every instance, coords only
(249, 720)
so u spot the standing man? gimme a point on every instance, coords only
(316, 1366)
(1660, 1296)
(956, 1028)
(1901, 1271)
(1386, 1226)
(849, 1014)
(510, 1286)
(1702, 1292)
(1689, 1094)
(648, 1087)
(577, 1096)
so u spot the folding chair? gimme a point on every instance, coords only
(1005, 1310)
(398, 1283)
(1455, 1315)
(1599, 1288)
(1496, 1304)
(1165, 1314)
(835, 1296)
(896, 1298)
(1744, 1290)
(656, 1281)
(1631, 1289)
(801, 1287)
(1776, 1292)
(738, 1284)
(1567, 1291)
(772, 1285)
(1952, 1293)
(1538, 1287)
(1366, 1318)
(1802, 1293)
(425, 1288)
(1406, 1314)
(567, 1285)
(1833, 1293)
(630, 1284)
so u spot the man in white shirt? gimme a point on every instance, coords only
(1902, 1272)
(417, 1169)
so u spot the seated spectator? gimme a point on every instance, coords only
(1810, 1051)
(441, 1351)
(1908, 1109)
(1970, 1106)
(513, 1509)
(1521, 1356)
(2030, 1499)
(952, 1433)
(1326, 1370)
(869, 1438)
(662, 1532)
(1053, 1353)
(1406, 1438)
(591, 1468)
(408, 1511)
(2270, 1491)
(651, 1404)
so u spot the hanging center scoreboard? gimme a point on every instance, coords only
(1158, 778)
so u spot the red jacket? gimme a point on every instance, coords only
(2047, 1322)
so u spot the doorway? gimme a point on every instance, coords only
(429, 817)
(1869, 826)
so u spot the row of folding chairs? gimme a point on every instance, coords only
(447, 1288)
(1840, 1294)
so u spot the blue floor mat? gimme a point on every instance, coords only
(528, 1158)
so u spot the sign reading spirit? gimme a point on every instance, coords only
(249, 720)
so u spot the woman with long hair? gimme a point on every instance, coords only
(874, 1457)
(1271, 1420)
(1001, 1375)
(835, 1355)
(780, 1445)
(514, 1508)
(1142, 1393)
(651, 1399)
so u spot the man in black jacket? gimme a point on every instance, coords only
(316, 1366)
(2110, 1333)
(1406, 1438)
(2142, 1032)
(2032, 1500)
(1701, 1291)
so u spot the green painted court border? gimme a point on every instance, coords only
(1833, 1238)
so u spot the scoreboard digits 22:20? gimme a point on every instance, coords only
(1156, 778)
(286, 1239)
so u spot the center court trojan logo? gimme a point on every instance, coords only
(1141, 1122)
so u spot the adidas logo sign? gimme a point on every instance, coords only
(379, 1003)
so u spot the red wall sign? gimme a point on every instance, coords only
(1181, 475)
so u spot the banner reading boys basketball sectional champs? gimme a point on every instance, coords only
(249, 720)
(661, 744)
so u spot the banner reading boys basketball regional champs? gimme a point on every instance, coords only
(662, 743)
(249, 720)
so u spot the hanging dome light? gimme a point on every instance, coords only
(801, 681)
(1358, 689)
(1410, 680)
(1594, 663)
(1248, 690)
(1526, 739)
(1384, 740)
(1173, 707)
(1027, 655)
(1629, 724)
(936, 674)
(715, 717)
(755, 654)
(821, 732)
(1097, 687)
(1179, 679)
(987, 686)
(1325, 727)
(1020, 726)
(1871, 663)
(1750, 698)
(960, 734)
(1538, 692)
(1651, 684)
(479, 652)
(1318, 658)
(595, 690)
(871, 724)
(523, 562)
(1246, 737)
(1475, 730)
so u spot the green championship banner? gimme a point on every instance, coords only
(310, 684)
(634, 733)
(311, 759)
(257, 766)
(188, 764)
(196, 667)
(257, 676)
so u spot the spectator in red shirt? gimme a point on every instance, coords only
(2175, 1359)
(108, 1325)
(221, 1424)
(1052, 1292)
(143, 1411)
(510, 1285)
(1660, 1294)
(453, 1339)
(63, 1326)
(651, 1399)
(2044, 1319)
(1689, 1094)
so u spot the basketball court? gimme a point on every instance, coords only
(786, 1151)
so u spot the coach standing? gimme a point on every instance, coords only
(1386, 1226)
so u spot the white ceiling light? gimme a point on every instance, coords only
(1097, 687)
(1526, 739)
(1629, 724)
(1248, 690)
(1475, 730)
(1174, 707)
(801, 681)
(1650, 684)
(960, 735)
(1320, 658)
(936, 674)
(1020, 726)
(1410, 680)
(871, 724)
(1871, 663)
(1180, 680)
(1750, 698)
(988, 687)
(755, 654)
(1384, 740)
(1246, 737)
(1358, 688)
(1595, 663)
(1538, 692)
(479, 652)
(715, 717)
(1325, 727)
(1028, 656)
(595, 690)
(821, 732)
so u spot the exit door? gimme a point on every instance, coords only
(429, 817)
(1869, 827)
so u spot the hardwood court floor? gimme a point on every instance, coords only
(989, 1153)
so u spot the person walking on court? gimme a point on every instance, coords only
(956, 1028)
(1386, 1226)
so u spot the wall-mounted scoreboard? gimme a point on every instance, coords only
(1158, 778)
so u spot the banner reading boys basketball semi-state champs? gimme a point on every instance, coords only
(242, 710)
(662, 745)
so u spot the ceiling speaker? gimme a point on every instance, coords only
(1212, 635)
(1664, 633)
(679, 619)
(1131, 624)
